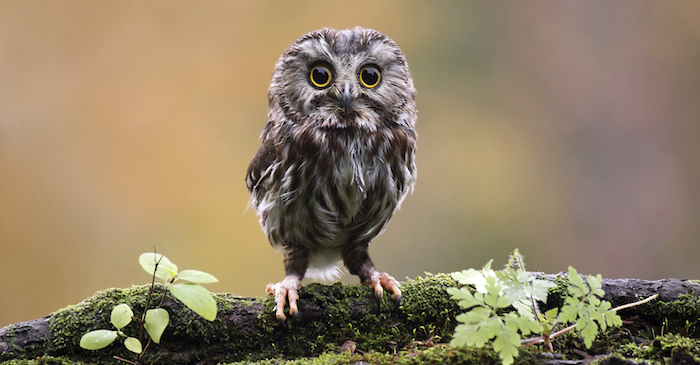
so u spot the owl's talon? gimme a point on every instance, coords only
(378, 292)
(380, 281)
(283, 291)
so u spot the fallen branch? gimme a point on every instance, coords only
(246, 328)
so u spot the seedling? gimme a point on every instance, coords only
(154, 321)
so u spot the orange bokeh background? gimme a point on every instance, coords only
(570, 130)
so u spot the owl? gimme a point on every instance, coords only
(337, 157)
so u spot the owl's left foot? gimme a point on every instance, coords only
(379, 281)
(285, 289)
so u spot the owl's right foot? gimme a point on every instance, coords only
(283, 291)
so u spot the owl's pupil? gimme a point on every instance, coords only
(320, 76)
(370, 76)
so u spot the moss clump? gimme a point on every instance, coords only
(350, 312)
(680, 316)
(44, 360)
(69, 324)
(440, 354)
(186, 330)
(247, 329)
(669, 348)
(427, 309)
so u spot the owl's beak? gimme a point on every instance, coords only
(346, 96)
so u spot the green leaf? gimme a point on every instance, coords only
(524, 307)
(487, 268)
(588, 331)
(156, 322)
(569, 312)
(464, 297)
(493, 297)
(524, 324)
(613, 319)
(95, 340)
(166, 269)
(196, 276)
(471, 277)
(506, 345)
(121, 316)
(133, 345)
(476, 315)
(551, 315)
(195, 297)
(540, 289)
(574, 278)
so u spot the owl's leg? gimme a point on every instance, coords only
(358, 263)
(295, 263)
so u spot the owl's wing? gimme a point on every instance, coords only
(266, 157)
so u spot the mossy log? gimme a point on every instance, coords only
(246, 328)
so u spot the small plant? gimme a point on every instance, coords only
(155, 320)
(486, 294)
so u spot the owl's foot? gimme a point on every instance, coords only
(379, 281)
(285, 289)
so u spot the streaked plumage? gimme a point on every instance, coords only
(337, 155)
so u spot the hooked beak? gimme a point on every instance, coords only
(346, 96)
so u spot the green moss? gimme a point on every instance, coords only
(681, 316)
(44, 360)
(344, 312)
(350, 312)
(331, 315)
(440, 354)
(669, 348)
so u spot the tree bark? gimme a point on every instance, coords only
(246, 328)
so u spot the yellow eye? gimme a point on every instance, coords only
(370, 76)
(321, 75)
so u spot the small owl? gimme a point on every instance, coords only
(337, 156)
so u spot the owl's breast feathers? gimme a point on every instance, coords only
(317, 186)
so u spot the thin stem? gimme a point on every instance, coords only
(125, 360)
(145, 347)
(162, 300)
(635, 303)
(536, 309)
(150, 293)
(532, 341)
(563, 330)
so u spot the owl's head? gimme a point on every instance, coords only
(343, 78)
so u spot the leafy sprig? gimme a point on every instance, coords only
(155, 320)
(487, 295)
(484, 321)
(494, 292)
(584, 307)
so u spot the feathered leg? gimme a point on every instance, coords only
(358, 263)
(295, 263)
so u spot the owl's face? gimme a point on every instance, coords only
(338, 79)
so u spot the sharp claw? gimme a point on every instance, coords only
(285, 292)
(379, 292)
(293, 310)
(381, 281)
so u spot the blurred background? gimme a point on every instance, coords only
(569, 130)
